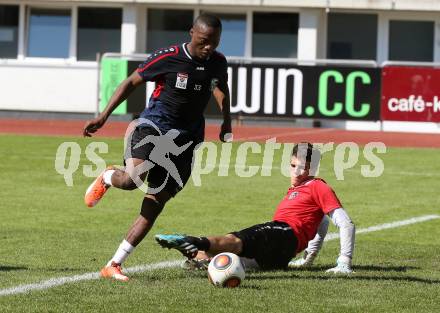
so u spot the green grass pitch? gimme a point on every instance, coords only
(47, 232)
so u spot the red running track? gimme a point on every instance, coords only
(241, 133)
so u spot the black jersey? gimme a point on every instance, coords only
(183, 86)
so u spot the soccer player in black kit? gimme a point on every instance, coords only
(186, 75)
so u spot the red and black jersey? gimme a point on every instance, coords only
(304, 207)
(183, 86)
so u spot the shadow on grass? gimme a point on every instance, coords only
(4, 268)
(361, 274)
(370, 268)
(384, 268)
(410, 279)
(250, 287)
(63, 269)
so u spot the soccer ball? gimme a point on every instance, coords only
(226, 270)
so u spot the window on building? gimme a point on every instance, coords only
(167, 27)
(8, 31)
(49, 33)
(420, 47)
(275, 35)
(352, 36)
(99, 30)
(233, 40)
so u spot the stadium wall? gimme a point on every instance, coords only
(41, 86)
(398, 5)
(70, 84)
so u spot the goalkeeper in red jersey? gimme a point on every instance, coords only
(296, 222)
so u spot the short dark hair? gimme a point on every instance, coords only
(309, 153)
(208, 20)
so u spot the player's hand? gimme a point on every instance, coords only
(343, 266)
(93, 125)
(305, 261)
(226, 132)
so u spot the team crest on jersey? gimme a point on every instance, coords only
(181, 80)
(293, 195)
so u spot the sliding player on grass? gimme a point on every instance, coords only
(296, 220)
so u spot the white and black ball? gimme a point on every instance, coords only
(226, 270)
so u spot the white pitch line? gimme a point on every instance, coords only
(410, 221)
(54, 282)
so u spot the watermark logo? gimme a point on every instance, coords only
(158, 148)
(209, 158)
(68, 156)
(246, 159)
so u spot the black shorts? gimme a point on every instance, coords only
(271, 244)
(159, 177)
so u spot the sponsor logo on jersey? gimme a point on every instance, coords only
(293, 195)
(198, 87)
(200, 68)
(181, 80)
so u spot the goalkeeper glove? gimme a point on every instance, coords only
(305, 261)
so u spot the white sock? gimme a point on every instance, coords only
(108, 177)
(124, 250)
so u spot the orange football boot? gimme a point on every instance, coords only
(113, 271)
(97, 189)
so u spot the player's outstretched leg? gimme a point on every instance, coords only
(182, 243)
(98, 188)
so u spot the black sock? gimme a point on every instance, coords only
(202, 243)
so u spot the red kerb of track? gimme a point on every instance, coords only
(241, 133)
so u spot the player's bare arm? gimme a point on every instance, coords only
(121, 93)
(221, 95)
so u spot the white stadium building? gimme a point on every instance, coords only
(345, 55)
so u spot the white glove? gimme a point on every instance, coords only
(306, 260)
(343, 266)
